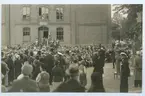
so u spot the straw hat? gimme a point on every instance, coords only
(123, 53)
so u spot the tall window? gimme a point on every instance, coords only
(44, 13)
(59, 13)
(59, 34)
(26, 34)
(26, 31)
(26, 12)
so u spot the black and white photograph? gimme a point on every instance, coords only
(84, 48)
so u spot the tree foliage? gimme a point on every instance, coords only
(118, 22)
(115, 31)
(133, 28)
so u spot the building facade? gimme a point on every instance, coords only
(71, 24)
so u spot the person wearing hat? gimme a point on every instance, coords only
(138, 69)
(49, 63)
(73, 84)
(25, 84)
(98, 64)
(125, 72)
(58, 74)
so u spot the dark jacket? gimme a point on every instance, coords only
(58, 74)
(71, 85)
(18, 65)
(97, 84)
(98, 88)
(49, 62)
(125, 72)
(138, 68)
(31, 59)
(36, 68)
(11, 67)
(24, 85)
(4, 68)
(98, 67)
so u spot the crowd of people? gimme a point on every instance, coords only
(34, 68)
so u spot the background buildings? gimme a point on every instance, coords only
(71, 24)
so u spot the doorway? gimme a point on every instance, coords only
(43, 32)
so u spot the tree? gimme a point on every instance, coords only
(115, 31)
(133, 28)
(118, 24)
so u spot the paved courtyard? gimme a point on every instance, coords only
(110, 84)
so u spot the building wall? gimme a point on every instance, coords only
(3, 39)
(5, 25)
(91, 24)
(34, 23)
(80, 22)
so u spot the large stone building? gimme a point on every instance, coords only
(71, 24)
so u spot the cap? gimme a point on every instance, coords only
(123, 53)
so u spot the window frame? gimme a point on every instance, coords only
(60, 34)
(59, 7)
(40, 16)
(29, 17)
(26, 33)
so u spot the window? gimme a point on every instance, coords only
(26, 31)
(26, 35)
(44, 13)
(26, 12)
(59, 13)
(59, 34)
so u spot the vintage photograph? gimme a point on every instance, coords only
(71, 48)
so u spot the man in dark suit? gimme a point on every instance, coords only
(25, 84)
(49, 63)
(125, 72)
(11, 67)
(18, 65)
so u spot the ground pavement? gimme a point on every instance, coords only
(110, 84)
